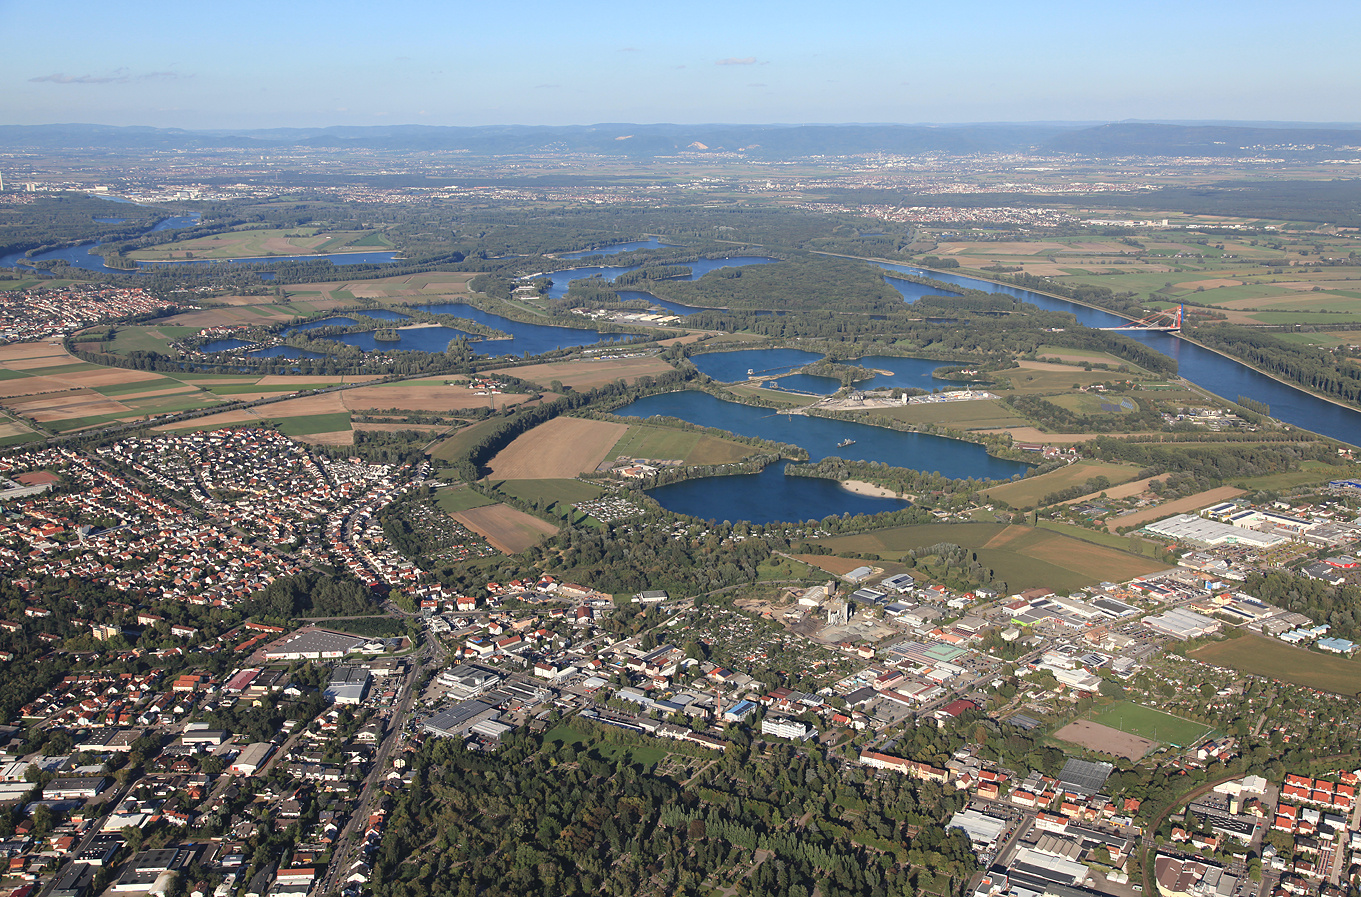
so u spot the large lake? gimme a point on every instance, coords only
(561, 280)
(616, 248)
(820, 437)
(83, 256)
(767, 497)
(732, 367)
(529, 339)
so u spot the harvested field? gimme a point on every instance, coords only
(508, 530)
(69, 405)
(559, 449)
(590, 373)
(681, 340)
(1275, 659)
(308, 382)
(337, 437)
(253, 313)
(1125, 490)
(41, 349)
(330, 403)
(106, 377)
(1030, 491)
(1190, 504)
(1030, 434)
(1105, 740)
(213, 421)
(423, 395)
(830, 563)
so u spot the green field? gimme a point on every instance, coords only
(1086, 403)
(1103, 537)
(549, 492)
(1276, 660)
(783, 399)
(1310, 472)
(1021, 556)
(687, 446)
(984, 414)
(460, 498)
(1028, 492)
(1042, 382)
(459, 444)
(1154, 725)
(308, 424)
(647, 755)
(265, 242)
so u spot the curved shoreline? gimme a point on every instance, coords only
(861, 487)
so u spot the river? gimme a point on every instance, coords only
(1209, 370)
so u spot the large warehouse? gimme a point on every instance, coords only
(1190, 528)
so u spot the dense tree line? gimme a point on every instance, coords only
(1216, 462)
(1334, 376)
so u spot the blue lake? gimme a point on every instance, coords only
(767, 497)
(528, 339)
(615, 249)
(285, 352)
(820, 436)
(912, 291)
(732, 367)
(225, 345)
(562, 279)
(334, 321)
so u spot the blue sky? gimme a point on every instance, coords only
(302, 64)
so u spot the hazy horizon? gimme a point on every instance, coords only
(532, 63)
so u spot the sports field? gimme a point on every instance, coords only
(1104, 739)
(1276, 660)
(559, 449)
(1149, 723)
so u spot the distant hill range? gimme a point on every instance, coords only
(1257, 139)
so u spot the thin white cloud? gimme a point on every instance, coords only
(119, 76)
(734, 60)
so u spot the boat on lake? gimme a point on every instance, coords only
(845, 442)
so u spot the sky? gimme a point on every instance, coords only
(302, 63)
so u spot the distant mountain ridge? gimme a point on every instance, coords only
(753, 141)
